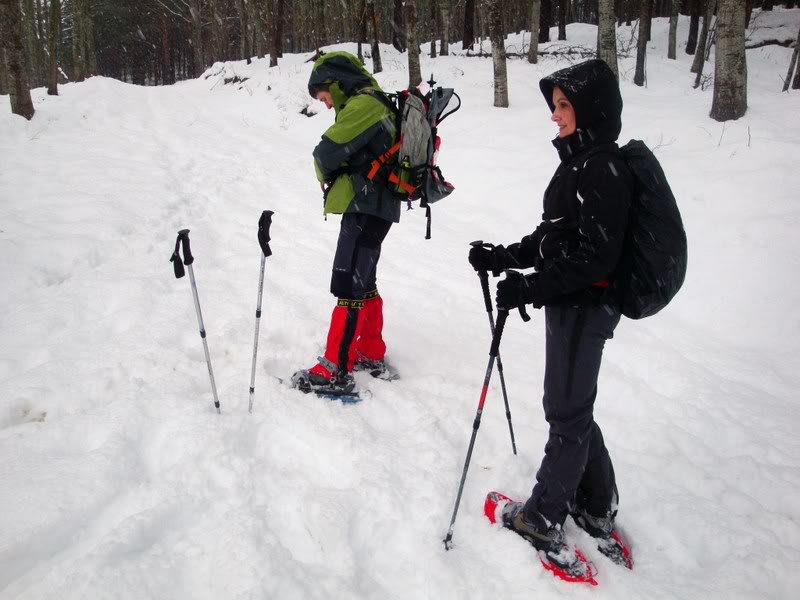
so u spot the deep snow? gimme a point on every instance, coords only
(118, 480)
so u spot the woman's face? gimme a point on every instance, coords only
(563, 114)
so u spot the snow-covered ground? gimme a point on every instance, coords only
(118, 480)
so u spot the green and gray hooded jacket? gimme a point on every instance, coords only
(364, 129)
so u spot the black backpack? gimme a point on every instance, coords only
(653, 263)
(652, 267)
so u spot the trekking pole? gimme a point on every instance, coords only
(487, 299)
(188, 259)
(263, 240)
(502, 315)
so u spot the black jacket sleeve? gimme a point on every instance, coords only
(605, 192)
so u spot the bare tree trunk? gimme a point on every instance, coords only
(444, 8)
(607, 34)
(641, 48)
(792, 64)
(730, 70)
(545, 18)
(3, 68)
(497, 35)
(796, 82)
(694, 24)
(256, 19)
(276, 51)
(414, 73)
(702, 41)
(469, 25)
(434, 26)
(535, 18)
(673, 29)
(377, 66)
(53, 37)
(361, 20)
(244, 31)
(562, 19)
(11, 37)
(31, 43)
(217, 25)
(78, 58)
(197, 38)
(398, 27)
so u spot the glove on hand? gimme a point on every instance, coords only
(488, 259)
(514, 292)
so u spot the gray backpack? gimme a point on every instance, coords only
(409, 166)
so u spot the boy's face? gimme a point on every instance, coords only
(326, 98)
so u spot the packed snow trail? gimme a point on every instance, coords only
(120, 481)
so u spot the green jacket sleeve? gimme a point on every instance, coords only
(356, 124)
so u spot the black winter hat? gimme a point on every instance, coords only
(593, 90)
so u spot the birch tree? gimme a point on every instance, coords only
(645, 17)
(535, 18)
(497, 35)
(607, 35)
(414, 73)
(730, 63)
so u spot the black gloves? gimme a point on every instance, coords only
(513, 292)
(488, 259)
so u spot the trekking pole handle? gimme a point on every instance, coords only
(183, 236)
(487, 298)
(177, 262)
(264, 223)
(511, 274)
(502, 315)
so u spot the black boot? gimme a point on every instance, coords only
(609, 542)
(545, 537)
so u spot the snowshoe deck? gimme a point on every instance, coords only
(353, 396)
(379, 369)
(574, 568)
(616, 550)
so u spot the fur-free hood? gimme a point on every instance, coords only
(593, 90)
(342, 74)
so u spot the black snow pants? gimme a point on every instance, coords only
(357, 253)
(576, 469)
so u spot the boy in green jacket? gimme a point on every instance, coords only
(355, 186)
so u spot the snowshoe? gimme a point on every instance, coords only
(609, 541)
(379, 369)
(341, 387)
(558, 557)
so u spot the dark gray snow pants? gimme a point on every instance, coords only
(576, 467)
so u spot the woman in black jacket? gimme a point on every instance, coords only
(574, 250)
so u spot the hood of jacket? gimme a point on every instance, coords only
(342, 74)
(593, 91)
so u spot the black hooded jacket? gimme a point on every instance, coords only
(578, 244)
